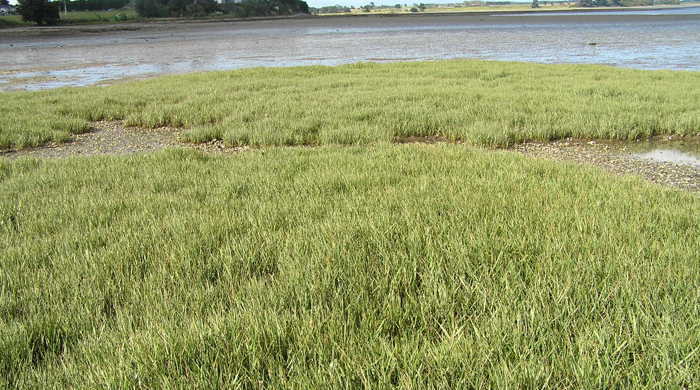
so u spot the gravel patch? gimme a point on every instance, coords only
(113, 138)
(618, 158)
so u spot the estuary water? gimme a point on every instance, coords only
(78, 56)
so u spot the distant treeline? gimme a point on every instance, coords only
(332, 9)
(243, 9)
(95, 5)
(248, 8)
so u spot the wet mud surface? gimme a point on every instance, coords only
(85, 55)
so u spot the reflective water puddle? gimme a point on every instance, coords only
(678, 152)
(672, 156)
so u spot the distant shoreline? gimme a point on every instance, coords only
(526, 11)
(72, 29)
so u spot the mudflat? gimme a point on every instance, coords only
(32, 58)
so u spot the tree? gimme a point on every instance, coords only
(4, 2)
(248, 8)
(39, 11)
(151, 8)
(191, 7)
(333, 9)
(535, 4)
(95, 5)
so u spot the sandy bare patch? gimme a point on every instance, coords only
(113, 138)
(617, 158)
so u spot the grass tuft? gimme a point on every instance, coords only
(378, 266)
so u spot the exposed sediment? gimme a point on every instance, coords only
(617, 158)
(113, 138)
